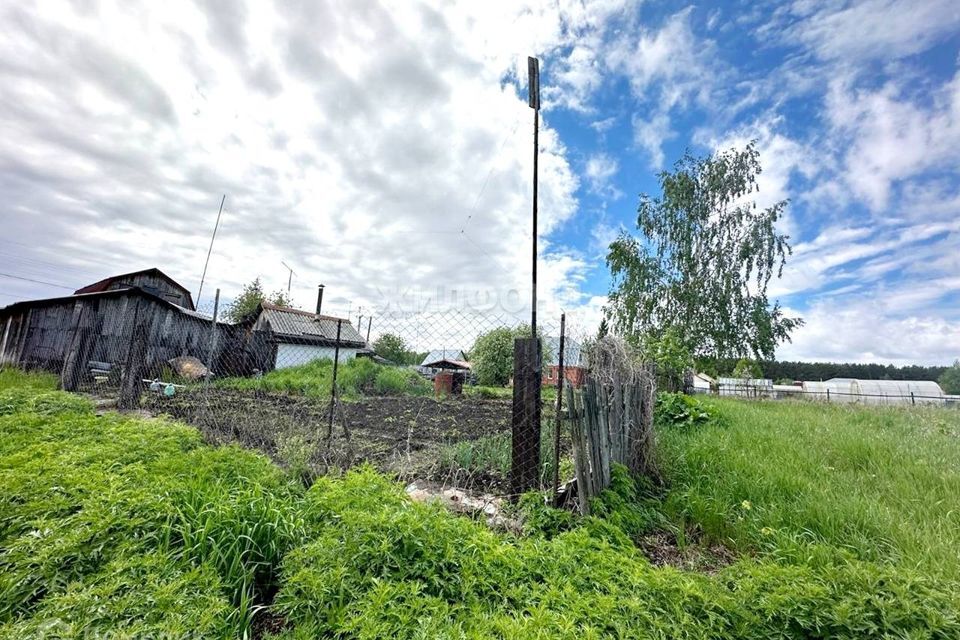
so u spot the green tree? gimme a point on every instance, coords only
(393, 348)
(950, 379)
(603, 329)
(492, 354)
(747, 369)
(703, 260)
(251, 296)
(671, 356)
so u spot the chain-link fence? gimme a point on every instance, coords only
(425, 394)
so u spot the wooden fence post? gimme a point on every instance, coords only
(525, 440)
(132, 384)
(559, 420)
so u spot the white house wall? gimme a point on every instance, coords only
(292, 355)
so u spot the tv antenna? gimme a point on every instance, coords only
(289, 277)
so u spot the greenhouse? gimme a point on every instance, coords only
(882, 392)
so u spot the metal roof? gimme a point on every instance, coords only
(438, 355)
(103, 285)
(310, 327)
(109, 293)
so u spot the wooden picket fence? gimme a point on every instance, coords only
(610, 423)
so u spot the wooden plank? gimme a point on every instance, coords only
(574, 407)
(525, 441)
(131, 386)
(72, 367)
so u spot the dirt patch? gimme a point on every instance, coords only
(266, 622)
(397, 434)
(662, 549)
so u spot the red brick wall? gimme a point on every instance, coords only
(574, 375)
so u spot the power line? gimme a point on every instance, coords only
(52, 284)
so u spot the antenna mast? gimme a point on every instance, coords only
(210, 250)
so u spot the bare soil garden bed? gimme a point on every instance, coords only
(398, 434)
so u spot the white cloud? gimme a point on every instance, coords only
(892, 136)
(650, 135)
(377, 148)
(871, 29)
(867, 332)
(599, 170)
(672, 55)
(669, 69)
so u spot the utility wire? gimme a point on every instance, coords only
(52, 284)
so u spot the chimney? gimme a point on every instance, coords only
(319, 298)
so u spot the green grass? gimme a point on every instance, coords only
(118, 526)
(548, 393)
(355, 378)
(17, 379)
(800, 480)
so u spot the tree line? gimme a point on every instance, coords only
(787, 370)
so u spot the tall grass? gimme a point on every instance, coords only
(801, 480)
(115, 525)
(492, 455)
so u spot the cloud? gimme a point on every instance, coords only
(892, 136)
(866, 332)
(599, 170)
(872, 29)
(374, 148)
(650, 135)
(669, 69)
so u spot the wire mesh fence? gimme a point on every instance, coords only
(831, 395)
(426, 394)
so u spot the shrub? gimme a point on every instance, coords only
(395, 381)
(355, 378)
(681, 410)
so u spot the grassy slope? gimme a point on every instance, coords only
(878, 484)
(120, 524)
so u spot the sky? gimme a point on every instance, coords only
(385, 150)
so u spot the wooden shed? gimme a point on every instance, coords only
(38, 334)
(99, 324)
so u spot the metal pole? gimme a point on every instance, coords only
(556, 432)
(210, 249)
(369, 322)
(533, 73)
(333, 385)
(213, 331)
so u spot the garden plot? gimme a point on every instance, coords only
(403, 434)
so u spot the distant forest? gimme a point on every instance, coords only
(775, 370)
